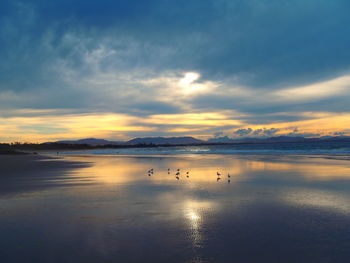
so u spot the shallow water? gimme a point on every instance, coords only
(274, 209)
(305, 148)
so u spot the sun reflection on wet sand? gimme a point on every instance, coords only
(320, 199)
(194, 222)
(194, 213)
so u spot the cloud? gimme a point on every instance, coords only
(341, 133)
(266, 132)
(263, 132)
(218, 38)
(253, 63)
(270, 132)
(243, 132)
(316, 91)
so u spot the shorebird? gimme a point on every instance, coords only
(177, 177)
(218, 174)
(228, 181)
(217, 179)
(178, 170)
(228, 175)
(178, 173)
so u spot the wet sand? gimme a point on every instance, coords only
(25, 173)
(108, 209)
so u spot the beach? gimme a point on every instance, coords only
(89, 208)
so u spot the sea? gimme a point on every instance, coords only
(307, 148)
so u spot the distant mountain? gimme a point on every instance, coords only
(92, 141)
(191, 140)
(278, 139)
(165, 140)
(146, 140)
(226, 139)
(334, 138)
(223, 139)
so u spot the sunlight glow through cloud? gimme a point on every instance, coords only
(190, 85)
(189, 78)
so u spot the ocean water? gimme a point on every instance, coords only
(272, 208)
(332, 148)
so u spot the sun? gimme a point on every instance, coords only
(189, 78)
(189, 84)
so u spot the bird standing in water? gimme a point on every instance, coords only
(187, 174)
(150, 172)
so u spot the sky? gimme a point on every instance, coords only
(119, 69)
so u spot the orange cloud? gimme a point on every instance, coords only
(51, 126)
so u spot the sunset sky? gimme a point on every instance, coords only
(119, 69)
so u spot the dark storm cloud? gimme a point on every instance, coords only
(264, 43)
(53, 52)
(151, 108)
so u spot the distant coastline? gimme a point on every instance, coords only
(23, 148)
